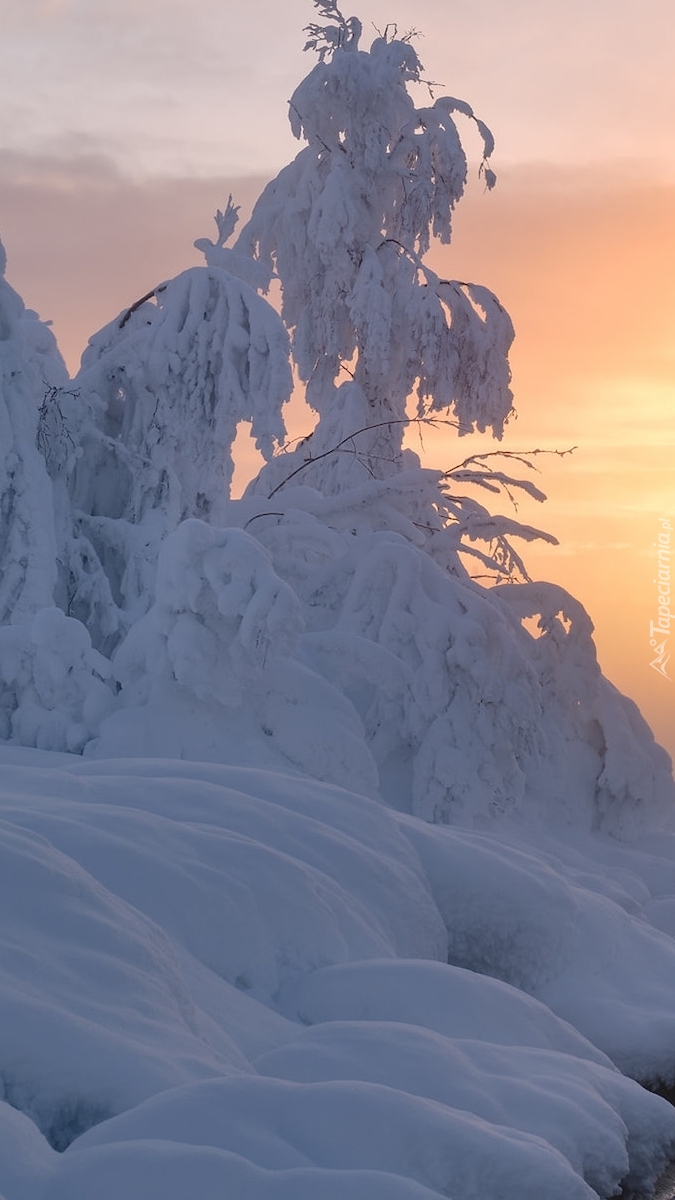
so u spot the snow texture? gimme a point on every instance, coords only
(240, 977)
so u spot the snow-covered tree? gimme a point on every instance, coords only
(167, 383)
(30, 369)
(53, 692)
(346, 227)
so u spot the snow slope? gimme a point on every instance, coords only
(234, 979)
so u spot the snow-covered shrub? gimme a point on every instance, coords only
(54, 688)
(220, 612)
(602, 748)
(448, 699)
(211, 670)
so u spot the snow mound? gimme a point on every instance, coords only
(95, 1014)
(348, 1125)
(171, 929)
(291, 892)
(565, 935)
(174, 1170)
(591, 1114)
(449, 1000)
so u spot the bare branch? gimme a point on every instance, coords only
(365, 429)
(138, 303)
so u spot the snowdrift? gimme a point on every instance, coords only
(244, 978)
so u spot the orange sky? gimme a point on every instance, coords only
(583, 261)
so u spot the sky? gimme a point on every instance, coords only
(125, 126)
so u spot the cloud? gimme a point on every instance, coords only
(83, 241)
(170, 86)
(165, 88)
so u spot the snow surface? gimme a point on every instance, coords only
(220, 977)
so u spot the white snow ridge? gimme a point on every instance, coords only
(321, 876)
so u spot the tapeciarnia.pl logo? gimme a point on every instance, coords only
(659, 630)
